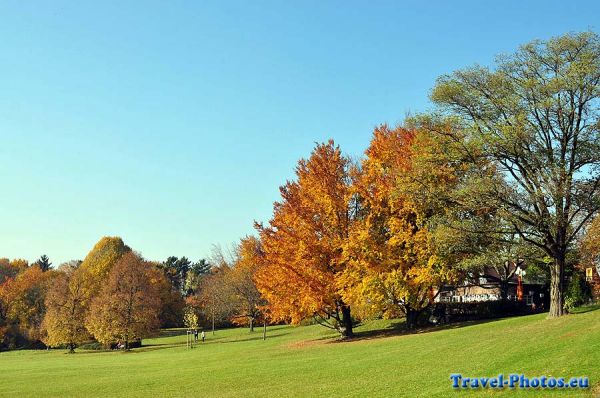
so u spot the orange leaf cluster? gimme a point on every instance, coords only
(303, 243)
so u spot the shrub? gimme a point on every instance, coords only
(577, 292)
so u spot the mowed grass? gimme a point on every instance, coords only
(308, 361)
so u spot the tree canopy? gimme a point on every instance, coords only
(303, 243)
(534, 119)
(128, 306)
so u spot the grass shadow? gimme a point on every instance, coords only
(399, 328)
(172, 332)
(85, 352)
(256, 337)
(156, 347)
(585, 308)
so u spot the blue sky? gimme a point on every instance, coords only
(172, 124)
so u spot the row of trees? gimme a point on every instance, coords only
(124, 308)
(114, 295)
(359, 236)
(506, 170)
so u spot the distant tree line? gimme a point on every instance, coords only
(115, 296)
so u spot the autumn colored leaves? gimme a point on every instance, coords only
(22, 290)
(303, 243)
(113, 296)
(128, 305)
(351, 240)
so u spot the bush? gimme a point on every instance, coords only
(12, 337)
(577, 292)
(92, 345)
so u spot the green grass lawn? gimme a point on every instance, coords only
(307, 361)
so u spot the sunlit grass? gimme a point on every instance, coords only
(308, 361)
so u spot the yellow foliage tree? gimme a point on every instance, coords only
(64, 322)
(97, 264)
(590, 245)
(103, 256)
(392, 266)
(128, 305)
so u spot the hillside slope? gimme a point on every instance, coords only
(307, 361)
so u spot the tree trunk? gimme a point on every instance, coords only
(265, 329)
(213, 323)
(346, 327)
(251, 319)
(556, 287)
(411, 318)
(504, 290)
(71, 348)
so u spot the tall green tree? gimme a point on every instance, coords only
(176, 269)
(202, 267)
(198, 270)
(44, 263)
(534, 119)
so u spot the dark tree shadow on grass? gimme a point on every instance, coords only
(255, 336)
(217, 339)
(258, 336)
(398, 328)
(584, 309)
(172, 332)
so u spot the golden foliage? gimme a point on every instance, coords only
(22, 300)
(128, 305)
(392, 265)
(100, 260)
(64, 322)
(590, 244)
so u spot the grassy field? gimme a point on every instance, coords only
(307, 361)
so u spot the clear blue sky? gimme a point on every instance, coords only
(172, 124)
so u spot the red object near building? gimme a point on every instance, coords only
(520, 288)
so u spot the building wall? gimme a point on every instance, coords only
(532, 294)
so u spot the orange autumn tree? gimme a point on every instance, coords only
(303, 243)
(22, 304)
(172, 303)
(11, 268)
(393, 269)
